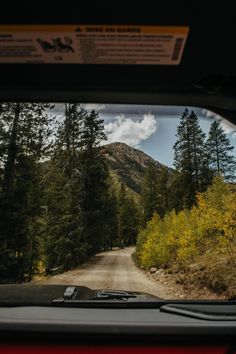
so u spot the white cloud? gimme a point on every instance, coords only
(129, 131)
(229, 128)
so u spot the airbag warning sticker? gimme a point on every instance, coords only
(89, 44)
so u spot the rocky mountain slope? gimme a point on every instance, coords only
(127, 164)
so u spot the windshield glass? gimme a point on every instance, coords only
(123, 197)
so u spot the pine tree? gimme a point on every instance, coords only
(94, 192)
(163, 191)
(122, 214)
(65, 246)
(132, 223)
(189, 158)
(111, 220)
(128, 218)
(176, 191)
(149, 193)
(81, 205)
(68, 138)
(24, 134)
(219, 153)
(57, 200)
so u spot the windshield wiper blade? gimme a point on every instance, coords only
(71, 296)
(110, 294)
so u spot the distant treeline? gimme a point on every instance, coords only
(58, 203)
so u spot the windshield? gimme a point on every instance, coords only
(120, 197)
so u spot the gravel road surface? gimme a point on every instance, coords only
(112, 270)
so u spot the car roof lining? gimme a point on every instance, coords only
(206, 76)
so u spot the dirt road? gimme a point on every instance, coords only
(111, 270)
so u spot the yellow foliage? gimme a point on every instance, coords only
(180, 238)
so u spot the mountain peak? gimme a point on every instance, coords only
(120, 149)
(127, 164)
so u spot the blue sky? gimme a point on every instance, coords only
(152, 129)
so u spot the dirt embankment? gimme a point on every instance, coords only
(202, 280)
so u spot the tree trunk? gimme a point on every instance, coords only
(11, 152)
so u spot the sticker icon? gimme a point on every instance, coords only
(57, 45)
(46, 46)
